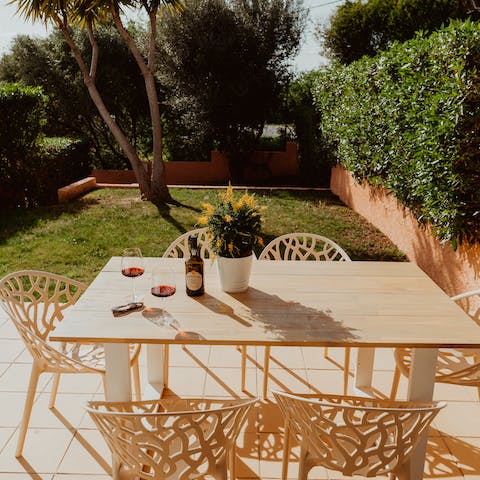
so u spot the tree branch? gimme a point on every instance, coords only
(94, 45)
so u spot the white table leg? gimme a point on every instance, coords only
(117, 381)
(117, 372)
(420, 388)
(364, 371)
(155, 371)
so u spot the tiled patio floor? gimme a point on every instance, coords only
(63, 444)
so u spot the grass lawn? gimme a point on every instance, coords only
(77, 239)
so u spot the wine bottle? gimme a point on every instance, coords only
(194, 269)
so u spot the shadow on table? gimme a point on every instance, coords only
(296, 322)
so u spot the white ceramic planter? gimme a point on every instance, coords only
(234, 273)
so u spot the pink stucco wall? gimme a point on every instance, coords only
(454, 271)
(262, 166)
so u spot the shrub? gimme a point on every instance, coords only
(23, 116)
(408, 120)
(314, 151)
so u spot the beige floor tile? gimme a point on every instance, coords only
(25, 476)
(4, 367)
(226, 357)
(326, 381)
(286, 358)
(24, 357)
(68, 476)
(186, 381)
(287, 380)
(79, 383)
(10, 348)
(460, 419)
(8, 330)
(17, 376)
(87, 454)
(5, 434)
(12, 408)
(226, 382)
(190, 356)
(43, 450)
(455, 393)
(315, 358)
(68, 412)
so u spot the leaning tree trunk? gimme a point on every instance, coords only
(89, 80)
(159, 193)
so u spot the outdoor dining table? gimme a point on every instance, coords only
(288, 303)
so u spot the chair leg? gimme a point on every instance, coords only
(166, 360)
(104, 383)
(32, 388)
(233, 459)
(346, 370)
(305, 465)
(136, 380)
(325, 352)
(395, 382)
(53, 394)
(266, 366)
(244, 366)
(286, 450)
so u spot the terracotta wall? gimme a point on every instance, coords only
(262, 166)
(454, 271)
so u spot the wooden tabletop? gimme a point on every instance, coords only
(288, 303)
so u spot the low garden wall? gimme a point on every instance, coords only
(455, 271)
(262, 166)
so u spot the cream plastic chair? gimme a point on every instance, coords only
(179, 247)
(35, 302)
(301, 246)
(353, 435)
(172, 438)
(454, 366)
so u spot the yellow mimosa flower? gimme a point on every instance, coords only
(209, 209)
(203, 220)
(228, 218)
(230, 247)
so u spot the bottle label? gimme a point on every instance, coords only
(194, 281)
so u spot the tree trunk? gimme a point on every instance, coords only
(159, 193)
(89, 80)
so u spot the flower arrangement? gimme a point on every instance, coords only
(234, 224)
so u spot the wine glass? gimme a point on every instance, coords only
(163, 285)
(133, 266)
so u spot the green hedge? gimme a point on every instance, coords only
(409, 120)
(32, 167)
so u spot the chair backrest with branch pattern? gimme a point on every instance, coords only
(356, 435)
(303, 246)
(171, 438)
(35, 302)
(179, 247)
(37, 299)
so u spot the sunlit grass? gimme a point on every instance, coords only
(77, 239)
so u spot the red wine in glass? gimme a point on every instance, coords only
(133, 271)
(132, 267)
(163, 290)
(163, 286)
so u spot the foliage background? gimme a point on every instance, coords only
(360, 28)
(408, 120)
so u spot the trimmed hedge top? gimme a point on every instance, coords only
(409, 120)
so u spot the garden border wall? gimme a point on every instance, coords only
(454, 271)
